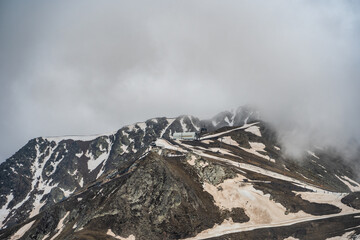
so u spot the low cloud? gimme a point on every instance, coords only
(87, 67)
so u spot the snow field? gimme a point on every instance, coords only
(3, 211)
(312, 154)
(170, 121)
(228, 226)
(183, 125)
(84, 138)
(94, 162)
(262, 211)
(348, 182)
(19, 233)
(254, 130)
(322, 196)
(229, 131)
(160, 142)
(258, 207)
(255, 148)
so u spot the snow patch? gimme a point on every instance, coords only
(160, 142)
(277, 148)
(228, 226)
(19, 233)
(81, 182)
(183, 125)
(203, 164)
(111, 233)
(124, 148)
(78, 155)
(93, 162)
(322, 196)
(230, 123)
(233, 117)
(170, 121)
(228, 140)
(229, 131)
(191, 161)
(67, 193)
(105, 157)
(254, 130)
(256, 169)
(141, 125)
(196, 127)
(74, 173)
(302, 175)
(256, 204)
(130, 127)
(55, 164)
(124, 133)
(175, 155)
(37, 180)
(83, 138)
(207, 141)
(348, 182)
(257, 147)
(60, 226)
(285, 167)
(37, 205)
(312, 154)
(346, 235)
(222, 151)
(46, 236)
(247, 119)
(4, 211)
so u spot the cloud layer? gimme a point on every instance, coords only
(87, 67)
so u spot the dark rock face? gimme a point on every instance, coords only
(157, 198)
(352, 200)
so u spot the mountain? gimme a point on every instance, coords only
(233, 183)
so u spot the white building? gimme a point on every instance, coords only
(185, 136)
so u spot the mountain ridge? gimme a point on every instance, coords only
(127, 142)
(52, 173)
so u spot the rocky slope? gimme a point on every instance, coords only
(233, 181)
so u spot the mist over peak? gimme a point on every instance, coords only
(88, 67)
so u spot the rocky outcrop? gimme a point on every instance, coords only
(158, 199)
(352, 200)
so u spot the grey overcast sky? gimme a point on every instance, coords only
(86, 67)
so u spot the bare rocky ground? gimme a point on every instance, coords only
(313, 230)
